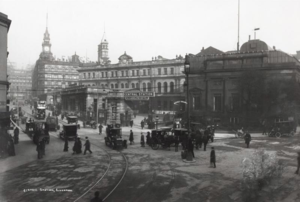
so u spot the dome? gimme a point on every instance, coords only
(255, 45)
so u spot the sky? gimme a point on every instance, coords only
(146, 28)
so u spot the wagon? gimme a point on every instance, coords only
(283, 128)
(161, 137)
(114, 137)
(69, 131)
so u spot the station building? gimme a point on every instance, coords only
(214, 80)
(160, 75)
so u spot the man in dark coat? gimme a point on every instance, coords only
(142, 124)
(148, 138)
(100, 129)
(212, 133)
(298, 166)
(96, 198)
(213, 158)
(16, 135)
(75, 146)
(205, 138)
(66, 147)
(39, 149)
(131, 137)
(198, 139)
(87, 145)
(11, 146)
(142, 140)
(191, 147)
(247, 139)
(79, 146)
(131, 123)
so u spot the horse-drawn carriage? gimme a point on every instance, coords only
(114, 136)
(52, 122)
(40, 132)
(69, 131)
(162, 137)
(73, 120)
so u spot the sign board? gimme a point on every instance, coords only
(139, 94)
(136, 98)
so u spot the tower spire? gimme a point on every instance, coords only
(47, 21)
(238, 43)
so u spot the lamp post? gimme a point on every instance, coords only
(186, 72)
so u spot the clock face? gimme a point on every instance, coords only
(47, 48)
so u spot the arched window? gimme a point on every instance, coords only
(116, 85)
(144, 87)
(111, 85)
(122, 85)
(149, 86)
(172, 87)
(165, 87)
(132, 85)
(137, 85)
(159, 87)
(126, 85)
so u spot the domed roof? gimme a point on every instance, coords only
(125, 57)
(255, 45)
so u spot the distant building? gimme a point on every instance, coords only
(214, 80)
(4, 84)
(51, 74)
(20, 83)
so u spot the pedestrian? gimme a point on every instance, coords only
(148, 138)
(212, 133)
(205, 138)
(212, 158)
(39, 149)
(66, 147)
(131, 139)
(11, 146)
(96, 198)
(43, 147)
(87, 146)
(142, 140)
(142, 124)
(298, 159)
(191, 147)
(100, 129)
(79, 146)
(247, 139)
(131, 123)
(16, 135)
(75, 146)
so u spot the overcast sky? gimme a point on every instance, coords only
(146, 28)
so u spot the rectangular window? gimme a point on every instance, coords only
(133, 73)
(165, 105)
(149, 71)
(93, 74)
(196, 102)
(137, 72)
(112, 74)
(83, 75)
(122, 72)
(106, 74)
(102, 74)
(126, 72)
(165, 71)
(217, 103)
(159, 71)
(234, 102)
(144, 72)
(172, 71)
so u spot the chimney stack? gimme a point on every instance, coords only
(249, 37)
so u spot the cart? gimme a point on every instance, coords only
(69, 131)
(73, 120)
(114, 137)
(52, 122)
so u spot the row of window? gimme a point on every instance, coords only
(144, 72)
(58, 76)
(19, 81)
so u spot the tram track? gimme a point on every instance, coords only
(106, 184)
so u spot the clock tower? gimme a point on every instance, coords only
(46, 47)
(103, 51)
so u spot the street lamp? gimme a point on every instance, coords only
(186, 72)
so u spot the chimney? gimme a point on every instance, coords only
(249, 37)
(274, 47)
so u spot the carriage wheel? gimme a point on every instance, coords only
(278, 134)
(154, 146)
(292, 133)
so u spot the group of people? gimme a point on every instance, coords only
(77, 147)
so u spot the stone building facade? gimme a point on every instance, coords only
(4, 84)
(20, 83)
(215, 77)
(159, 75)
(50, 73)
